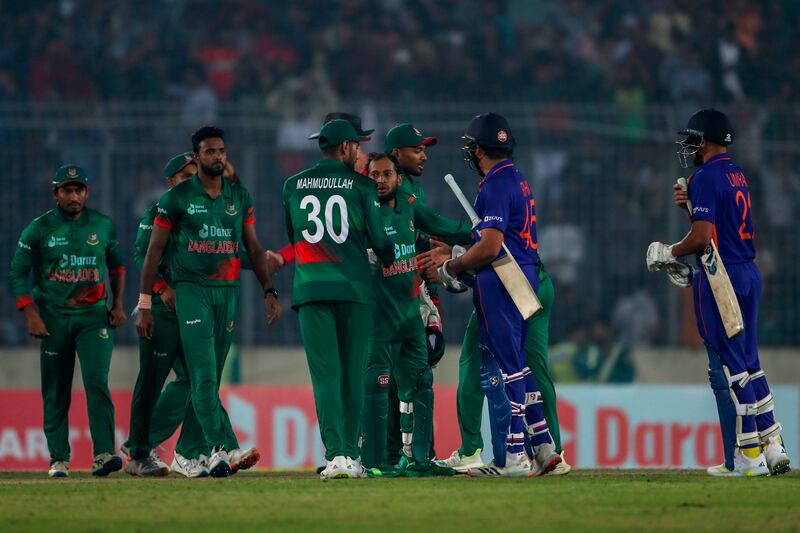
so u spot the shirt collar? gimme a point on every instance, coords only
(62, 215)
(329, 163)
(495, 169)
(719, 157)
(199, 189)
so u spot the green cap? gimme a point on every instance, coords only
(336, 132)
(177, 163)
(406, 135)
(69, 174)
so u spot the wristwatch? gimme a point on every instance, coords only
(273, 291)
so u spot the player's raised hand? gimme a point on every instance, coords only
(274, 309)
(145, 323)
(433, 258)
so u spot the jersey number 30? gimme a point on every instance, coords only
(320, 228)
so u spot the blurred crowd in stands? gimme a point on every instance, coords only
(285, 54)
(601, 178)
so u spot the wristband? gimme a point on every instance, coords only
(273, 291)
(145, 301)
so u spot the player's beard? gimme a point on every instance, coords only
(388, 196)
(214, 171)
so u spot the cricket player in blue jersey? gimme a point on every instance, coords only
(506, 208)
(719, 198)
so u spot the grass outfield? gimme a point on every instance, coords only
(611, 500)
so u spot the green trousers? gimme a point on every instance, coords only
(405, 364)
(157, 357)
(89, 335)
(335, 338)
(470, 395)
(206, 319)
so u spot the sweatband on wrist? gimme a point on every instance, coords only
(145, 301)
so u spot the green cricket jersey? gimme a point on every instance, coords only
(68, 259)
(206, 233)
(143, 234)
(332, 217)
(411, 190)
(396, 286)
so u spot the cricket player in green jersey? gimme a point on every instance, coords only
(67, 250)
(158, 355)
(332, 218)
(204, 220)
(398, 350)
(410, 147)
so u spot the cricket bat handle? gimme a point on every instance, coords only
(466, 204)
(685, 186)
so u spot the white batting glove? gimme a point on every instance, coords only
(680, 274)
(658, 255)
(450, 283)
(372, 257)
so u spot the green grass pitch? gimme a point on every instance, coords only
(608, 500)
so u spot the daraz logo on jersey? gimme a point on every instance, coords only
(57, 241)
(196, 209)
(213, 231)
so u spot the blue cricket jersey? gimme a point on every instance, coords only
(719, 194)
(505, 202)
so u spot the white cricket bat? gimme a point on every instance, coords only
(507, 268)
(719, 282)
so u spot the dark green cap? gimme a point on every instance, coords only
(336, 132)
(177, 163)
(355, 120)
(69, 174)
(406, 135)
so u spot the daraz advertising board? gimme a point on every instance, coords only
(636, 426)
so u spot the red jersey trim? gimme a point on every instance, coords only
(288, 253)
(23, 301)
(313, 253)
(118, 270)
(159, 286)
(249, 220)
(162, 222)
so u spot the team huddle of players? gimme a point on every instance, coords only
(366, 280)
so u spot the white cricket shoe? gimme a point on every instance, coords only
(517, 465)
(220, 463)
(563, 468)
(146, 467)
(745, 466)
(190, 468)
(335, 469)
(721, 471)
(355, 468)
(777, 458)
(545, 459)
(159, 462)
(106, 463)
(243, 459)
(59, 469)
(462, 463)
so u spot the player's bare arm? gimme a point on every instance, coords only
(117, 316)
(158, 240)
(696, 240)
(259, 261)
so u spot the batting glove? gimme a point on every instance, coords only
(680, 274)
(658, 255)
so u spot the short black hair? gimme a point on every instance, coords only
(206, 132)
(377, 156)
(496, 153)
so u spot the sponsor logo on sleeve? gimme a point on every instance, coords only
(491, 218)
(698, 209)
